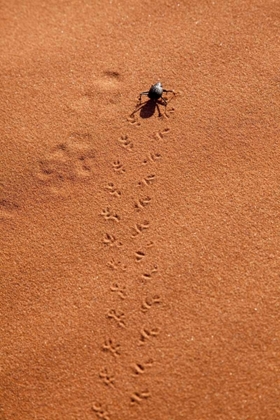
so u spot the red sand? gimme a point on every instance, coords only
(140, 256)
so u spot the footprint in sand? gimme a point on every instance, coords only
(7, 209)
(67, 163)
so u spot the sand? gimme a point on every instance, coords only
(140, 254)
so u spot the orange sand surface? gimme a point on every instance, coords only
(140, 253)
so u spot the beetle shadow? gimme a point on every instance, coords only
(148, 108)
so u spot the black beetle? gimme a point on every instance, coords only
(156, 92)
(155, 95)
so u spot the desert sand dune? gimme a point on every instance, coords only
(139, 244)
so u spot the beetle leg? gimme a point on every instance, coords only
(167, 91)
(143, 93)
(166, 100)
(140, 106)
(163, 102)
(158, 108)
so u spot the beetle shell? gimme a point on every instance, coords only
(155, 91)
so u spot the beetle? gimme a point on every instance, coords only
(155, 95)
(155, 92)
